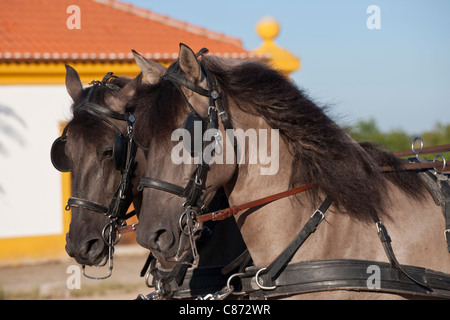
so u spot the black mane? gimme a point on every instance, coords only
(347, 172)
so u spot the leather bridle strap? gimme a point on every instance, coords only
(90, 205)
(147, 182)
(231, 211)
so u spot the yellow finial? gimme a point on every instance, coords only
(268, 29)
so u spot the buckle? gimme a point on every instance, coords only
(319, 212)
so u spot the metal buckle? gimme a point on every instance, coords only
(213, 215)
(319, 212)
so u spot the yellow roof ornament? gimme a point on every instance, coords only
(268, 29)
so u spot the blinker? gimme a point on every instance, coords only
(58, 155)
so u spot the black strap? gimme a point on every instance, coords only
(105, 111)
(242, 261)
(176, 78)
(276, 267)
(147, 182)
(90, 205)
(386, 241)
(342, 274)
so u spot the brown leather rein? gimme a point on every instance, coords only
(232, 211)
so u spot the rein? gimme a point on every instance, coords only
(231, 211)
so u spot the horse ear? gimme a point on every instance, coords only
(119, 101)
(151, 70)
(73, 82)
(188, 63)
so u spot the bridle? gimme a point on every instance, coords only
(124, 153)
(193, 191)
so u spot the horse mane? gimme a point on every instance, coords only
(86, 125)
(157, 109)
(347, 172)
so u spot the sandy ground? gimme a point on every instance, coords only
(50, 280)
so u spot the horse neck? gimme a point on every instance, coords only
(266, 230)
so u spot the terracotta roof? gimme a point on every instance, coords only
(37, 30)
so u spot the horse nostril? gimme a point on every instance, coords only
(161, 240)
(90, 247)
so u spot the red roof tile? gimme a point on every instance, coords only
(37, 30)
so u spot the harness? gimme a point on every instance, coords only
(281, 277)
(124, 152)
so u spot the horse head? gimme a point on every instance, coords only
(184, 126)
(97, 147)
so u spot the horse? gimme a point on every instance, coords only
(99, 149)
(228, 102)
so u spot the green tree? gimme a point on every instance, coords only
(398, 140)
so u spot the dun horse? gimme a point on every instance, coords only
(106, 162)
(354, 202)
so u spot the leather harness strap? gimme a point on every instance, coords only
(231, 211)
(342, 274)
(434, 149)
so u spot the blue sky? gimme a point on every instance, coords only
(398, 75)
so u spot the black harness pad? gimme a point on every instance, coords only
(189, 142)
(120, 151)
(58, 155)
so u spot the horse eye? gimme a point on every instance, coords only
(107, 153)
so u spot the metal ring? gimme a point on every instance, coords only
(180, 221)
(259, 284)
(413, 148)
(231, 288)
(109, 242)
(444, 163)
(147, 278)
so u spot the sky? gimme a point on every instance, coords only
(398, 75)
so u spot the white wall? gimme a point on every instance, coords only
(30, 188)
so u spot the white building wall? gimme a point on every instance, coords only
(30, 188)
